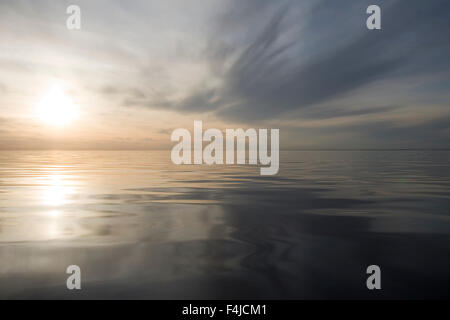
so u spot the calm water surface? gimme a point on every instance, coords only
(141, 227)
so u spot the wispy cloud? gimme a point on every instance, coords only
(311, 64)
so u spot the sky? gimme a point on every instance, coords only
(138, 69)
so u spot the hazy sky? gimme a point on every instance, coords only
(139, 69)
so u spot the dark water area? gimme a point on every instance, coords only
(140, 227)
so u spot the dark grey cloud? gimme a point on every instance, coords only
(286, 64)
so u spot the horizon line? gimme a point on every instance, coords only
(167, 149)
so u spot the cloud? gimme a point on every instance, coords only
(310, 63)
(131, 92)
(337, 112)
(289, 64)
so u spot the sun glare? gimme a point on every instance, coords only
(56, 108)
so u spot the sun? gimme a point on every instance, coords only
(56, 108)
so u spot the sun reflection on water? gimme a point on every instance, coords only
(57, 192)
